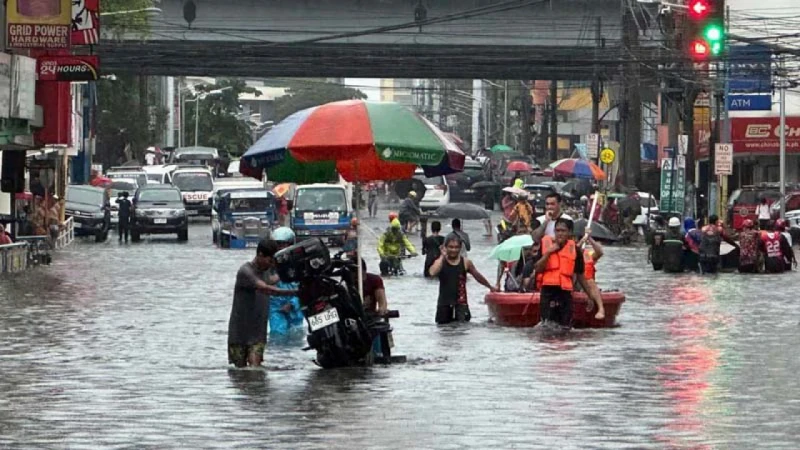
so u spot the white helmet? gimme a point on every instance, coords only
(674, 222)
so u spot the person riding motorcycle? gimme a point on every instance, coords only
(390, 247)
(284, 312)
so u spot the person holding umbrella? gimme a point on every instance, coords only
(409, 212)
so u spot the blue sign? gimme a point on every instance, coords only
(750, 102)
(749, 69)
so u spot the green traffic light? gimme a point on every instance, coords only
(716, 48)
(713, 33)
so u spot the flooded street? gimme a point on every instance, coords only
(124, 346)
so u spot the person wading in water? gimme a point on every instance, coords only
(451, 268)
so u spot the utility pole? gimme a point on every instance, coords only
(632, 102)
(505, 113)
(526, 103)
(782, 130)
(553, 120)
(597, 87)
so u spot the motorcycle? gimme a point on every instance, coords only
(339, 330)
(392, 266)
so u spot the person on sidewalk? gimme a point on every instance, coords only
(762, 210)
(5, 239)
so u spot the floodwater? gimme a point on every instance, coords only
(124, 346)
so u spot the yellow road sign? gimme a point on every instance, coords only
(607, 155)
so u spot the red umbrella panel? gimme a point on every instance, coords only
(518, 166)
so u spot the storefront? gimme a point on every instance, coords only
(756, 150)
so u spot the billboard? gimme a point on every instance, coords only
(761, 135)
(750, 68)
(5, 85)
(42, 24)
(23, 88)
(85, 22)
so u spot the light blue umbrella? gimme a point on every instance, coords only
(511, 248)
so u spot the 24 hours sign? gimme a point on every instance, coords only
(67, 68)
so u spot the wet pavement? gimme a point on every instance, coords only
(124, 346)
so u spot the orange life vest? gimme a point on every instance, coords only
(560, 266)
(589, 269)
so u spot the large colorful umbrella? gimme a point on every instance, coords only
(501, 148)
(578, 168)
(362, 141)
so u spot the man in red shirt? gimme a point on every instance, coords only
(5, 239)
(374, 292)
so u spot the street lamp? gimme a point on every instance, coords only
(196, 101)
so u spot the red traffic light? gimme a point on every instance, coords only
(699, 49)
(699, 9)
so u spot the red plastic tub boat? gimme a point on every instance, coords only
(522, 310)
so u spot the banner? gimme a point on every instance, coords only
(761, 135)
(43, 24)
(67, 68)
(85, 22)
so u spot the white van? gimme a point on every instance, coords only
(196, 185)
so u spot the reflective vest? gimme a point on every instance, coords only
(589, 268)
(560, 266)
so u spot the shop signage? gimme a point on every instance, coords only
(42, 24)
(5, 85)
(592, 145)
(23, 88)
(673, 187)
(67, 68)
(85, 22)
(761, 135)
(750, 102)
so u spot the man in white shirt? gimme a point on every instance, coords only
(547, 222)
(762, 210)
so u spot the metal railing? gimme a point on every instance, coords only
(13, 257)
(66, 235)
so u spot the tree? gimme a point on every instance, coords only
(125, 125)
(302, 94)
(220, 124)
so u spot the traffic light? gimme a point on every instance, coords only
(706, 28)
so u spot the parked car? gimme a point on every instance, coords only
(436, 191)
(743, 202)
(119, 185)
(792, 204)
(90, 210)
(460, 184)
(159, 209)
(649, 204)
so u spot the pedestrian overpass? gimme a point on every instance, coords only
(498, 39)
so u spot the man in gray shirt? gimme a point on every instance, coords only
(247, 327)
(465, 247)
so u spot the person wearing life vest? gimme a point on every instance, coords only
(772, 244)
(749, 245)
(559, 262)
(711, 237)
(591, 255)
(673, 247)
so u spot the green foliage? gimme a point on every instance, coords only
(125, 119)
(302, 94)
(125, 24)
(220, 124)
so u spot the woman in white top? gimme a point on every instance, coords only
(762, 211)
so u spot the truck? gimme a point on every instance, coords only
(322, 211)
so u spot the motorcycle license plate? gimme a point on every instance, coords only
(323, 319)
